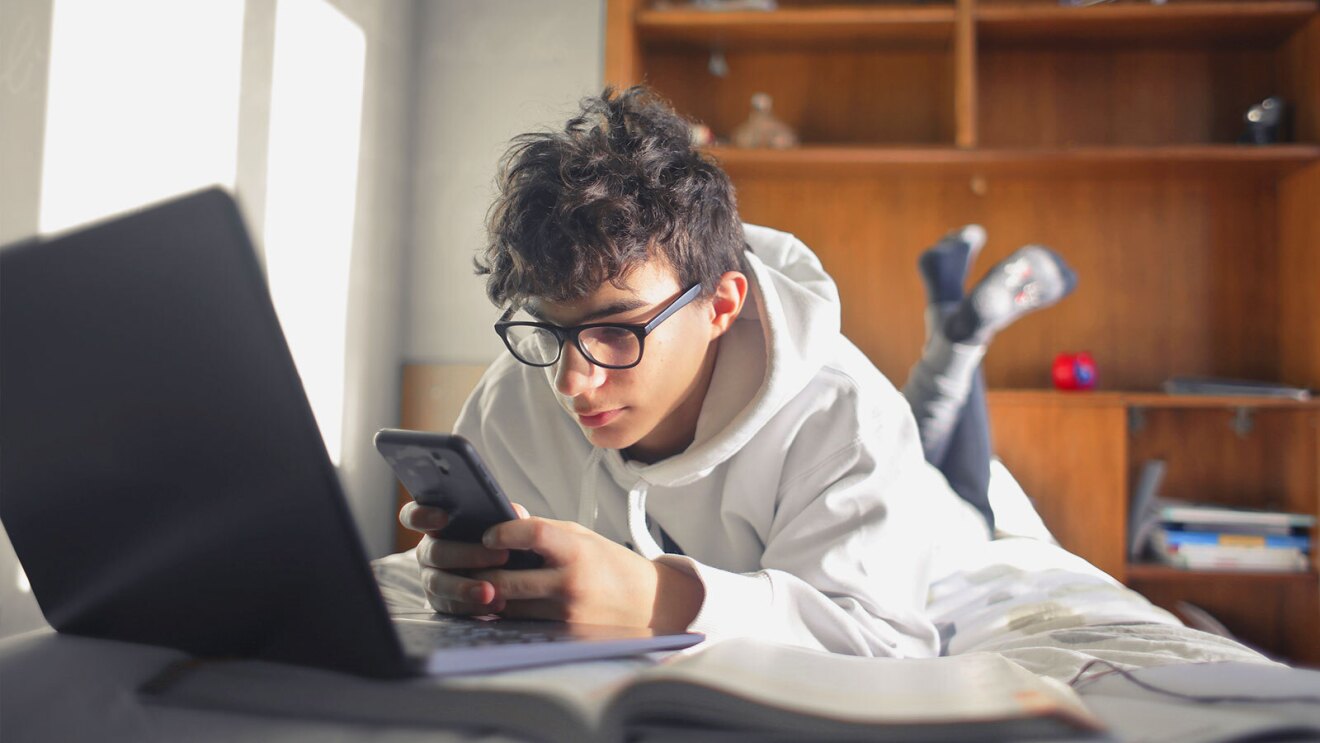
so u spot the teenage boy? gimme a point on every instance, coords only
(693, 442)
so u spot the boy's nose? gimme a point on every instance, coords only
(575, 375)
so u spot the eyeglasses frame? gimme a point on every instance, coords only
(574, 333)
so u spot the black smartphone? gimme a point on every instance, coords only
(445, 471)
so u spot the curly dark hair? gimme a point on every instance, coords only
(620, 184)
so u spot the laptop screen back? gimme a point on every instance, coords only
(162, 477)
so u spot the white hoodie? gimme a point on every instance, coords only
(803, 505)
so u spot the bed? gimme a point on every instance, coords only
(1021, 596)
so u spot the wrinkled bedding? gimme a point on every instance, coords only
(1053, 612)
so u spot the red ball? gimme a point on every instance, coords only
(1074, 371)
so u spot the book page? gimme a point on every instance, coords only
(587, 687)
(976, 686)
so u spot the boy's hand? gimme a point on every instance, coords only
(586, 578)
(447, 589)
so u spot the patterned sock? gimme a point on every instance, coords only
(944, 265)
(1031, 278)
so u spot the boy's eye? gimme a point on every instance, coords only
(614, 346)
(611, 336)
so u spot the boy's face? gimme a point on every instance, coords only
(651, 408)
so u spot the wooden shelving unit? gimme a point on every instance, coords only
(1107, 133)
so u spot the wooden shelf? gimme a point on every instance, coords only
(1151, 572)
(1257, 21)
(1162, 400)
(1144, 399)
(1088, 161)
(917, 23)
(1036, 397)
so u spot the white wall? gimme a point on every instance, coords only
(24, 52)
(380, 245)
(486, 71)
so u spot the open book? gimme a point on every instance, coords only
(737, 689)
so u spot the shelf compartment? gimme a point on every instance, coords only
(1074, 95)
(1260, 21)
(878, 94)
(806, 26)
(1271, 160)
(1266, 461)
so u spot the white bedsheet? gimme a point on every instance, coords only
(1053, 612)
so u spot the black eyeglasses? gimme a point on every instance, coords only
(611, 345)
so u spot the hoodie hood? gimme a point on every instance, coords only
(788, 326)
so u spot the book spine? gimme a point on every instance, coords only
(1214, 516)
(1230, 559)
(1260, 541)
(1180, 561)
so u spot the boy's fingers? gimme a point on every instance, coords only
(446, 554)
(455, 594)
(523, 513)
(423, 518)
(552, 540)
(511, 585)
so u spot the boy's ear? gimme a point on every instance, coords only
(727, 302)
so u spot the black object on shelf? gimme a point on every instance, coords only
(1266, 122)
(1243, 387)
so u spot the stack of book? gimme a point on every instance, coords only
(1202, 537)
(1197, 537)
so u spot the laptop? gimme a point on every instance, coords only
(162, 477)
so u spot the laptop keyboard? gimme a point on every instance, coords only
(436, 632)
(441, 645)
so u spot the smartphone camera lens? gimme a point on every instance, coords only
(441, 463)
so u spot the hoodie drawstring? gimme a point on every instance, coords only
(587, 505)
(643, 542)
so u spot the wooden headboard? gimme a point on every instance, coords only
(432, 396)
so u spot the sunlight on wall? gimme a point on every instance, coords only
(311, 193)
(142, 104)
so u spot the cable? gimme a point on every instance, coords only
(1199, 699)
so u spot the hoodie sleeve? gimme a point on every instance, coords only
(848, 556)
